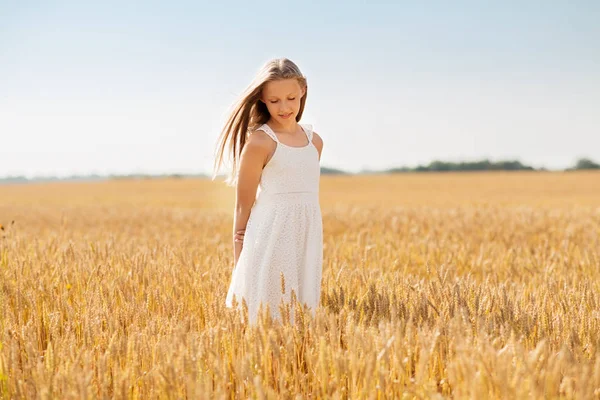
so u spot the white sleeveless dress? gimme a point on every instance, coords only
(284, 233)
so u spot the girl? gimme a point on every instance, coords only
(277, 225)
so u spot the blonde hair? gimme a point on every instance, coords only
(250, 113)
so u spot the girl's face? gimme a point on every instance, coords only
(282, 98)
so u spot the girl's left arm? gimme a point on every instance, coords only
(318, 142)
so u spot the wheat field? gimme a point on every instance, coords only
(457, 285)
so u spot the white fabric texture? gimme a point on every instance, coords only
(284, 233)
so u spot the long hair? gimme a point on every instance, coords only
(249, 113)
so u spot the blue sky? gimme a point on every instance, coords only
(144, 87)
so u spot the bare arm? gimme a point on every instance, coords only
(318, 142)
(252, 160)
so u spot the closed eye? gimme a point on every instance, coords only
(273, 102)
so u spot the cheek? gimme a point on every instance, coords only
(270, 107)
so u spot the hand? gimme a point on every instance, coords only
(239, 236)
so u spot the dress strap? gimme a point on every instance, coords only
(308, 129)
(267, 129)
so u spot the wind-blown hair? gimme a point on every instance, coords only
(249, 113)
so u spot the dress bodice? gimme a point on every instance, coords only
(291, 169)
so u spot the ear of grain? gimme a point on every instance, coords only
(434, 286)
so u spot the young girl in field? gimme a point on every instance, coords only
(277, 225)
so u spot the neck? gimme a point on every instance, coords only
(290, 127)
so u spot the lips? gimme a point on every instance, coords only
(286, 115)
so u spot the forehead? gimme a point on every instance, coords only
(280, 88)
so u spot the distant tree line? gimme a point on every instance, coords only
(434, 166)
(487, 165)
(584, 163)
(483, 165)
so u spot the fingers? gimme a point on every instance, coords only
(239, 236)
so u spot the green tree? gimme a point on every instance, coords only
(586, 163)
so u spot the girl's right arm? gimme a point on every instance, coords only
(251, 163)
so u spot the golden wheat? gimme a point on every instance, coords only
(474, 285)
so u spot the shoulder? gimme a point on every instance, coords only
(259, 138)
(258, 146)
(317, 140)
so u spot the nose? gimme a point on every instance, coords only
(285, 107)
